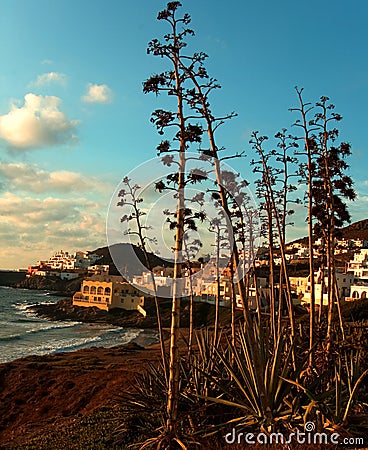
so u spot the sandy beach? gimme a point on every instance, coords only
(46, 394)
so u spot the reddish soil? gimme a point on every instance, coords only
(43, 393)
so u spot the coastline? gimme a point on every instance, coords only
(63, 310)
(47, 394)
(53, 399)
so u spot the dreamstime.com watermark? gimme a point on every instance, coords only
(309, 436)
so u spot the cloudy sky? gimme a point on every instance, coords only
(74, 120)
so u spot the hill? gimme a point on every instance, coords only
(356, 230)
(127, 259)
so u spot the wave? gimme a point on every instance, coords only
(24, 306)
(54, 326)
(64, 345)
(43, 327)
(10, 337)
(51, 347)
(130, 334)
(26, 309)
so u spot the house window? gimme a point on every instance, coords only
(100, 290)
(93, 290)
(85, 289)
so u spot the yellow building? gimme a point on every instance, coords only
(107, 292)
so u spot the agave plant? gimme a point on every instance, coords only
(238, 387)
(332, 395)
(144, 407)
(220, 387)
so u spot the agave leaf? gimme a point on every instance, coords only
(308, 410)
(247, 369)
(247, 392)
(356, 385)
(228, 403)
(180, 443)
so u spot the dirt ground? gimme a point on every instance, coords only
(43, 393)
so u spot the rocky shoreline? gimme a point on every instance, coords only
(53, 284)
(65, 310)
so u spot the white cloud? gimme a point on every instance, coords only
(30, 178)
(50, 77)
(38, 123)
(33, 228)
(97, 93)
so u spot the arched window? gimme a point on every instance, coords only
(100, 290)
(93, 289)
(107, 291)
(355, 294)
(86, 289)
(364, 294)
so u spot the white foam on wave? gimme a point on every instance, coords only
(24, 306)
(38, 326)
(47, 326)
(51, 347)
(120, 335)
(25, 309)
(131, 334)
(70, 344)
(10, 337)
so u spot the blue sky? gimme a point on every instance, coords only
(74, 120)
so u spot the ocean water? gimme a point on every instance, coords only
(22, 333)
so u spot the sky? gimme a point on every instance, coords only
(74, 120)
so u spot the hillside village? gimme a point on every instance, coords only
(101, 287)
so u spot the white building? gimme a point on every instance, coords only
(343, 280)
(62, 260)
(358, 291)
(359, 265)
(99, 269)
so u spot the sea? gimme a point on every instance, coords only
(22, 333)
